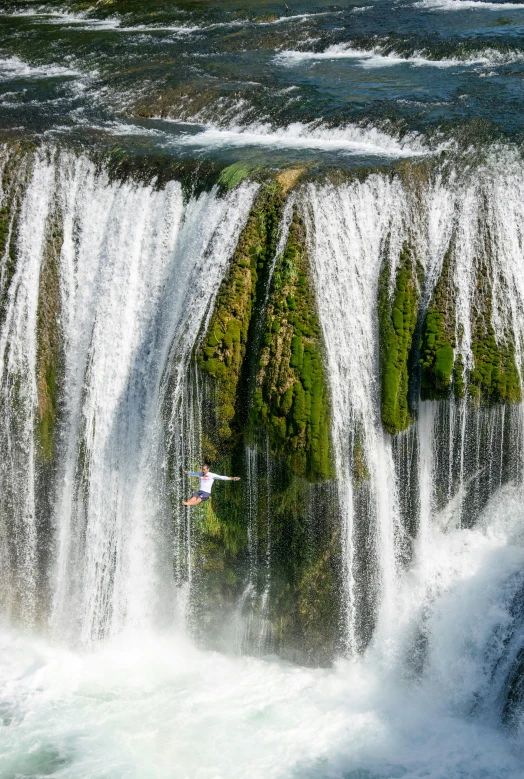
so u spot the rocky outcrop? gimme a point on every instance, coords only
(267, 417)
(397, 321)
(291, 398)
(438, 341)
(49, 359)
(494, 377)
(225, 345)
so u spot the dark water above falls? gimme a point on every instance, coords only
(266, 82)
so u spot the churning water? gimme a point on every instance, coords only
(151, 705)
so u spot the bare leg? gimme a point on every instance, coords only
(192, 501)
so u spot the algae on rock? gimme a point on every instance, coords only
(261, 361)
(221, 355)
(494, 377)
(440, 369)
(291, 397)
(49, 358)
(397, 321)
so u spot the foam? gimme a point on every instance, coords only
(15, 68)
(374, 58)
(461, 5)
(350, 139)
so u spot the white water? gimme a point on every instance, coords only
(352, 230)
(139, 270)
(467, 5)
(152, 706)
(351, 139)
(375, 58)
(19, 401)
(15, 68)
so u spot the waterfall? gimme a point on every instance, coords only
(347, 228)
(456, 455)
(139, 268)
(19, 400)
(113, 288)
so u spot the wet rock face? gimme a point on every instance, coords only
(229, 338)
(494, 377)
(436, 365)
(267, 417)
(263, 346)
(291, 397)
(438, 341)
(397, 321)
(50, 345)
(14, 170)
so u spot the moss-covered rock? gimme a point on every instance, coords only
(291, 396)
(440, 369)
(264, 385)
(494, 378)
(397, 321)
(14, 174)
(223, 349)
(49, 360)
(234, 174)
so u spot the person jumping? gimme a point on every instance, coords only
(206, 483)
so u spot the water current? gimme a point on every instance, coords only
(99, 675)
(321, 81)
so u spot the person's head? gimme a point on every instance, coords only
(205, 467)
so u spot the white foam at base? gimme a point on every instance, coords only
(151, 706)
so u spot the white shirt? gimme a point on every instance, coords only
(206, 481)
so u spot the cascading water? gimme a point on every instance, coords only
(136, 280)
(347, 254)
(431, 529)
(456, 456)
(19, 401)
(178, 279)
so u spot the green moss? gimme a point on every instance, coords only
(232, 536)
(261, 359)
(292, 399)
(234, 174)
(397, 321)
(316, 588)
(494, 377)
(439, 368)
(49, 351)
(223, 348)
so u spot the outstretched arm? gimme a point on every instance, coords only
(193, 473)
(224, 478)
